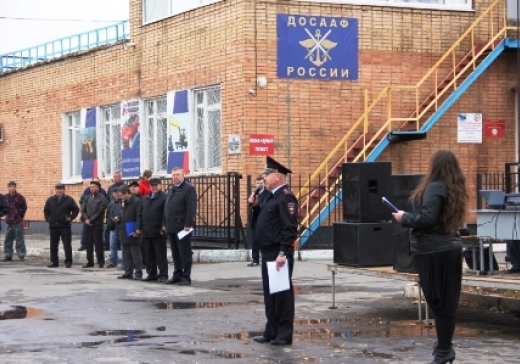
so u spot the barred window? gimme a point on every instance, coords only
(72, 146)
(156, 135)
(207, 130)
(112, 159)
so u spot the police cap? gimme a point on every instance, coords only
(59, 186)
(273, 166)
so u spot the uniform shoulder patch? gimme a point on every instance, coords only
(291, 207)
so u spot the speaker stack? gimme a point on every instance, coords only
(402, 187)
(363, 238)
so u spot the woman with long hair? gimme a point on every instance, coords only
(439, 210)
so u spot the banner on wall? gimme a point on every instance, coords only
(261, 144)
(88, 144)
(317, 47)
(469, 128)
(177, 103)
(131, 138)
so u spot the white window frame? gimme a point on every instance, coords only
(173, 10)
(71, 121)
(196, 143)
(148, 139)
(106, 167)
(420, 4)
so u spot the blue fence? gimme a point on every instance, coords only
(63, 46)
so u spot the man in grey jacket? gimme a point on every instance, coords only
(93, 214)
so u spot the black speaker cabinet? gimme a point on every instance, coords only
(402, 187)
(363, 244)
(364, 184)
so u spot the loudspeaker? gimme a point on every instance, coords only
(402, 187)
(364, 185)
(362, 244)
(468, 257)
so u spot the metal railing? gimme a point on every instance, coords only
(488, 29)
(61, 47)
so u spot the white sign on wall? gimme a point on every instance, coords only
(469, 128)
(234, 144)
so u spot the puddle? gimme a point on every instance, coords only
(191, 305)
(213, 354)
(117, 332)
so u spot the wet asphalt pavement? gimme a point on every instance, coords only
(89, 316)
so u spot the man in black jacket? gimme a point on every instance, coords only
(179, 215)
(154, 236)
(59, 211)
(93, 214)
(130, 234)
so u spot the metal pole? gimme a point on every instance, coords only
(333, 290)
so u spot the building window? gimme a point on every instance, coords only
(111, 149)
(156, 135)
(159, 9)
(206, 130)
(72, 146)
(425, 4)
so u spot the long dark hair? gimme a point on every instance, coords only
(445, 166)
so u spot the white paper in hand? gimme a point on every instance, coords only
(278, 279)
(181, 234)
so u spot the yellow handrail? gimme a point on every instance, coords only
(339, 153)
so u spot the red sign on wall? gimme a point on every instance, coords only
(494, 129)
(261, 144)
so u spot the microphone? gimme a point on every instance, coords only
(257, 191)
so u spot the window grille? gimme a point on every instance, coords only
(156, 135)
(112, 159)
(72, 146)
(207, 130)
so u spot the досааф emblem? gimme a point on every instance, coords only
(317, 47)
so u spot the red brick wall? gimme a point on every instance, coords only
(231, 43)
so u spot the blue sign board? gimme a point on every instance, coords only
(317, 47)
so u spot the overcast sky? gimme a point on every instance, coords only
(81, 16)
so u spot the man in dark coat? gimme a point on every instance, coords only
(179, 215)
(154, 235)
(130, 234)
(59, 210)
(276, 231)
(93, 215)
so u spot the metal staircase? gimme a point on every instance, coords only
(484, 41)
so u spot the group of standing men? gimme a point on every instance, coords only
(141, 224)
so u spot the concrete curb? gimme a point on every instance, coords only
(199, 256)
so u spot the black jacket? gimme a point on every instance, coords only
(180, 208)
(277, 224)
(4, 208)
(114, 209)
(131, 213)
(152, 211)
(256, 209)
(93, 209)
(60, 212)
(427, 234)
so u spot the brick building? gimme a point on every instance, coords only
(194, 77)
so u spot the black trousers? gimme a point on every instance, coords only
(255, 250)
(132, 260)
(94, 236)
(66, 238)
(279, 307)
(155, 255)
(441, 275)
(182, 257)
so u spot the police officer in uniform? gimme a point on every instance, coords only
(276, 232)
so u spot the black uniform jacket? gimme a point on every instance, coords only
(278, 221)
(428, 234)
(180, 208)
(152, 211)
(60, 212)
(131, 213)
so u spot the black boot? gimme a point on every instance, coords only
(443, 356)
